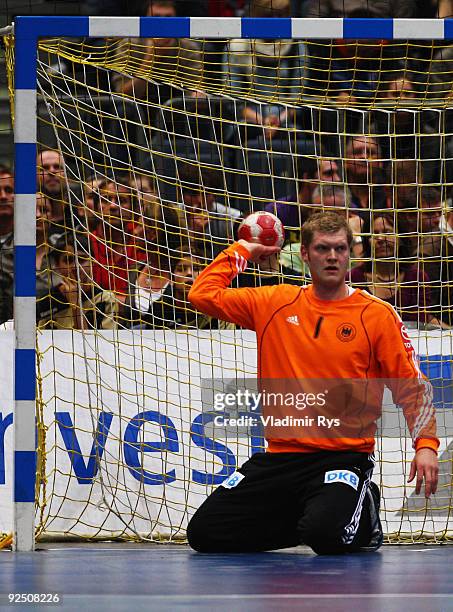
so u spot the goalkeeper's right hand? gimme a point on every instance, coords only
(259, 252)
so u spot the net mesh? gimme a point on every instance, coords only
(151, 153)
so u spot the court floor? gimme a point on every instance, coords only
(136, 577)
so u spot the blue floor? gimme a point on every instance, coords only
(117, 577)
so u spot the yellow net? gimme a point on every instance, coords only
(150, 154)
(366, 74)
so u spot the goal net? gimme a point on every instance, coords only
(150, 152)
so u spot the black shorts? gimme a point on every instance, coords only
(278, 500)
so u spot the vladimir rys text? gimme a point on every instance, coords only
(271, 421)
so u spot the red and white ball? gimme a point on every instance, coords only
(262, 227)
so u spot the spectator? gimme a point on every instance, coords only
(401, 176)
(443, 292)
(227, 8)
(295, 210)
(43, 220)
(440, 68)
(364, 174)
(332, 196)
(423, 221)
(148, 203)
(74, 302)
(434, 8)
(347, 8)
(387, 272)
(51, 183)
(338, 198)
(444, 8)
(6, 243)
(157, 237)
(177, 58)
(420, 213)
(51, 178)
(112, 242)
(122, 8)
(143, 186)
(157, 232)
(291, 259)
(440, 73)
(88, 214)
(211, 224)
(172, 310)
(411, 133)
(112, 7)
(45, 279)
(351, 70)
(266, 69)
(6, 202)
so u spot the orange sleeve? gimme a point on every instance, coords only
(410, 388)
(210, 293)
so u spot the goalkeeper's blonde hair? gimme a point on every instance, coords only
(325, 223)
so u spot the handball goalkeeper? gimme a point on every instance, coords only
(312, 490)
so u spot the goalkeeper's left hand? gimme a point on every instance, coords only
(425, 465)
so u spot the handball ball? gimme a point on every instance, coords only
(262, 227)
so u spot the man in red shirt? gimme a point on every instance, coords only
(313, 489)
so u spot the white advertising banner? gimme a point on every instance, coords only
(127, 448)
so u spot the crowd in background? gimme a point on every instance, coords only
(120, 257)
(301, 8)
(112, 253)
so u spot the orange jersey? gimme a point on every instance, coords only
(302, 337)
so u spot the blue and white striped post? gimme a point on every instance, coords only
(24, 289)
(27, 32)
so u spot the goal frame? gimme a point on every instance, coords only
(27, 31)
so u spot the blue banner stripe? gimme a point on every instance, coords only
(24, 476)
(439, 370)
(367, 28)
(266, 28)
(165, 27)
(437, 366)
(24, 270)
(25, 162)
(33, 27)
(24, 375)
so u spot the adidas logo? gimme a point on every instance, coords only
(293, 319)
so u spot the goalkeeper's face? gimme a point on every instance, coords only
(328, 258)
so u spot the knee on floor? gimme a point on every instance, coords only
(322, 537)
(196, 535)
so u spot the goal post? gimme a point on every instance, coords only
(27, 379)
